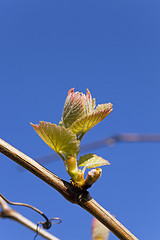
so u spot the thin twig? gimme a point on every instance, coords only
(25, 205)
(71, 193)
(46, 225)
(8, 212)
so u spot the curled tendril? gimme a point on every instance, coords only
(46, 225)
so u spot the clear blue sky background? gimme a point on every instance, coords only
(110, 47)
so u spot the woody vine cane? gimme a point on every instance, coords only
(65, 141)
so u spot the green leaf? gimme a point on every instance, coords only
(84, 124)
(102, 107)
(74, 107)
(91, 161)
(60, 139)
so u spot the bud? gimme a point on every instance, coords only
(77, 105)
(79, 116)
(93, 176)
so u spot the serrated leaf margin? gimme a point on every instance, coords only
(91, 160)
(60, 139)
(84, 124)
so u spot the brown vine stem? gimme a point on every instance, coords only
(8, 212)
(71, 193)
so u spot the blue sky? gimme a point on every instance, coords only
(110, 47)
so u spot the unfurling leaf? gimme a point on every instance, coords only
(60, 139)
(84, 124)
(102, 107)
(91, 161)
(79, 116)
(77, 105)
